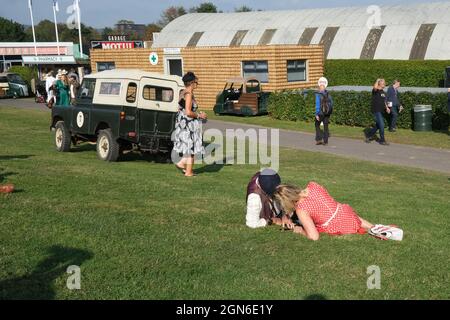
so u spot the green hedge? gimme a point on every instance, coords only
(429, 73)
(354, 108)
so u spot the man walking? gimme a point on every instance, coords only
(379, 105)
(324, 108)
(49, 87)
(394, 104)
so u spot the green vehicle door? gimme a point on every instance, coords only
(158, 107)
(82, 109)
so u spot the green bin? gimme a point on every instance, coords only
(423, 115)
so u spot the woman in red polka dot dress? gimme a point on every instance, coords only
(319, 213)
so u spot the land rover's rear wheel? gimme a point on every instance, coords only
(62, 137)
(107, 147)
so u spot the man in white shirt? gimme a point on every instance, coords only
(50, 94)
(261, 209)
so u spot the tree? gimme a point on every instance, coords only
(243, 8)
(205, 7)
(11, 31)
(108, 32)
(171, 14)
(71, 35)
(150, 29)
(44, 30)
(124, 21)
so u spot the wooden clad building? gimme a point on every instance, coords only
(277, 66)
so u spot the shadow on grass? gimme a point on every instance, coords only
(316, 297)
(83, 148)
(4, 175)
(212, 168)
(39, 284)
(4, 158)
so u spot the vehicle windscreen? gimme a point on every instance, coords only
(253, 86)
(229, 86)
(15, 78)
(87, 89)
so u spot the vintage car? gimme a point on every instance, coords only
(17, 86)
(120, 110)
(242, 96)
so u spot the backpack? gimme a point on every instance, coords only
(326, 105)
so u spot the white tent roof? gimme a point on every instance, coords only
(402, 25)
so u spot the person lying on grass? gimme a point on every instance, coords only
(318, 212)
(261, 209)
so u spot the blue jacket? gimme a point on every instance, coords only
(319, 97)
(392, 96)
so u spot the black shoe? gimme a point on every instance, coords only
(384, 143)
(392, 130)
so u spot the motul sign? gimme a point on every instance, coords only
(108, 45)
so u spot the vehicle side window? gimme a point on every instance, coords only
(158, 94)
(131, 92)
(87, 89)
(14, 78)
(110, 88)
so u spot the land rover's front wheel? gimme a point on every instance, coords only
(107, 147)
(62, 137)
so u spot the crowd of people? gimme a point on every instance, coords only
(382, 102)
(309, 211)
(62, 89)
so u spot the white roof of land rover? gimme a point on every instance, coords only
(133, 74)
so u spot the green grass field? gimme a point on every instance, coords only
(433, 139)
(140, 230)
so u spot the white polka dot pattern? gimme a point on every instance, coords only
(321, 207)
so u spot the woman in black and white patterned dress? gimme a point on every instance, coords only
(188, 139)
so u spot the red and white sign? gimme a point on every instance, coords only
(105, 45)
(28, 51)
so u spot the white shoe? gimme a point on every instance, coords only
(387, 232)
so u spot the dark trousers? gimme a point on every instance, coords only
(322, 135)
(379, 120)
(394, 117)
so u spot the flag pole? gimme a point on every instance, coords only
(79, 26)
(30, 5)
(55, 8)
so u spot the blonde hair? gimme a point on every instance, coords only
(65, 79)
(288, 196)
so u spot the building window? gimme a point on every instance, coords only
(296, 70)
(158, 94)
(131, 92)
(256, 69)
(110, 88)
(102, 66)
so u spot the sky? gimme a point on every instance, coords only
(105, 13)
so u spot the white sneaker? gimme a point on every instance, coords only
(387, 232)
